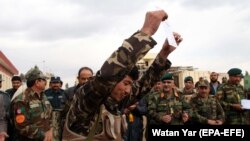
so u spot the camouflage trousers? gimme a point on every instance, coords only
(248, 117)
(237, 119)
(57, 125)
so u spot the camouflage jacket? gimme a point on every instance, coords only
(32, 115)
(88, 99)
(68, 98)
(231, 94)
(161, 105)
(206, 108)
(185, 92)
(188, 94)
(151, 94)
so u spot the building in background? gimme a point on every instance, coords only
(7, 70)
(180, 72)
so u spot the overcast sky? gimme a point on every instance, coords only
(60, 36)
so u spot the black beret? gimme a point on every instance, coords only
(167, 76)
(234, 71)
(188, 78)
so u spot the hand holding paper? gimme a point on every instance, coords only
(172, 41)
(170, 36)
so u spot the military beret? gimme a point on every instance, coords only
(188, 78)
(34, 74)
(55, 79)
(203, 83)
(234, 71)
(167, 76)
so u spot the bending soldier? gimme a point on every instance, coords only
(95, 110)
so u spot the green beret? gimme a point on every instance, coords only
(167, 76)
(188, 78)
(234, 71)
(34, 74)
(203, 83)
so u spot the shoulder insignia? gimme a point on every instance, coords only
(20, 118)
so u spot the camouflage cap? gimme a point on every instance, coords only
(167, 76)
(203, 83)
(234, 71)
(34, 74)
(188, 78)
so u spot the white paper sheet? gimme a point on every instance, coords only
(245, 104)
(169, 34)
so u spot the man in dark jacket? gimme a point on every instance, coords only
(4, 113)
(16, 83)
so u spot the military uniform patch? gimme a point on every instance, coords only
(20, 118)
(18, 111)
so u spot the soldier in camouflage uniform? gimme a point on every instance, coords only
(157, 88)
(154, 91)
(100, 97)
(230, 95)
(55, 97)
(189, 90)
(32, 111)
(168, 107)
(206, 109)
(4, 113)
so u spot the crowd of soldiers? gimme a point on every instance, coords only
(117, 104)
